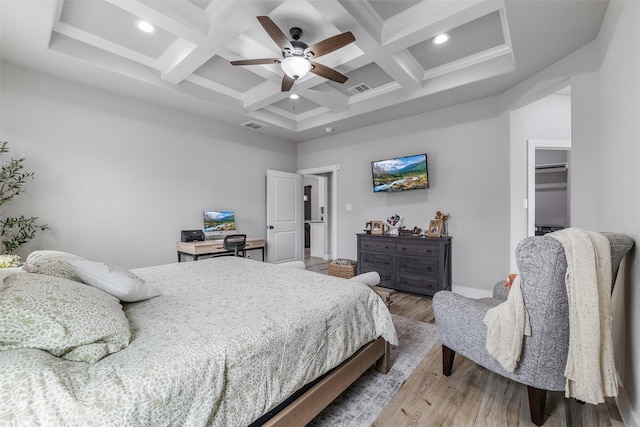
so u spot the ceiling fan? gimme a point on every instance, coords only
(297, 56)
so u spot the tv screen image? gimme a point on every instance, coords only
(219, 222)
(401, 173)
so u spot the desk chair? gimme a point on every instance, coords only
(235, 243)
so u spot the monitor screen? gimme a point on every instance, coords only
(219, 222)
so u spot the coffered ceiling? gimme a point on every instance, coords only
(393, 68)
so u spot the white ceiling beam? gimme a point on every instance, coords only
(274, 119)
(228, 23)
(182, 19)
(327, 97)
(104, 44)
(366, 16)
(264, 94)
(469, 61)
(174, 56)
(362, 20)
(404, 30)
(213, 86)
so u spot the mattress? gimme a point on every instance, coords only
(228, 340)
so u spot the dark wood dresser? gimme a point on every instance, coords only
(421, 265)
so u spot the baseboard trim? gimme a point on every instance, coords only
(471, 292)
(629, 417)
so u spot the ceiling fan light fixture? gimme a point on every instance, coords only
(296, 67)
(441, 38)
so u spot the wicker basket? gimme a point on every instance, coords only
(343, 268)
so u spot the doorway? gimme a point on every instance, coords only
(326, 216)
(548, 186)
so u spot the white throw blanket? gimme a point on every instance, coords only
(590, 369)
(507, 324)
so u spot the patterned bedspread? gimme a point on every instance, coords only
(227, 341)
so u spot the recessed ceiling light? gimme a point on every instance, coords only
(294, 96)
(145, 27)
(441, 38)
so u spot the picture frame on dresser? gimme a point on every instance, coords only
(377, 227)
(435, 228)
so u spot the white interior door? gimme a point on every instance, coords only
(285, 217)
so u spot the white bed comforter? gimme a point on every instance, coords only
(227, 341)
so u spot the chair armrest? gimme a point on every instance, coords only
(459, 319)
(499, 291)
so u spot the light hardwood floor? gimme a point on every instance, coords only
(472, 395)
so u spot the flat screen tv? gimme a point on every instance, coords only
(219, 223)
(400, 174)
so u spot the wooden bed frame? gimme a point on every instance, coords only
(312, 401)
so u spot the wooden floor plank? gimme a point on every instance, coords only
(472, 395)
(502, 402)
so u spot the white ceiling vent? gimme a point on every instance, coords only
(362, 87)
(253, 125)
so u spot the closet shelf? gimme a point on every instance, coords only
(552, 167)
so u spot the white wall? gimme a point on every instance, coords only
(467, 148)
(118, 178)
(548, 118)
(605, 155)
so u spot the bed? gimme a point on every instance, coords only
(227, 341)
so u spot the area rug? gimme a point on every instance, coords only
(365, 399)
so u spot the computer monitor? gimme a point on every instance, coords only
(217, 224)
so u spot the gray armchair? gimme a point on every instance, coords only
(542, 266)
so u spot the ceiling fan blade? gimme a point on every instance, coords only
(256, 61)
(329, 45)
(276, 33)
(328, 73)
(287, 83)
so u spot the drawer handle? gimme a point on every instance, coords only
(386, 247)
(429, 251)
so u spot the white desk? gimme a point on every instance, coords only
(214, 247)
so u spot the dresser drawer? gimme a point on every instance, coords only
(377, 261)
(378, 245)
(411, 265)
(387, 279)
(386, 271)
(425, 285)
(423, 248)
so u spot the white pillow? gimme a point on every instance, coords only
(114, 280)
(371, 278)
